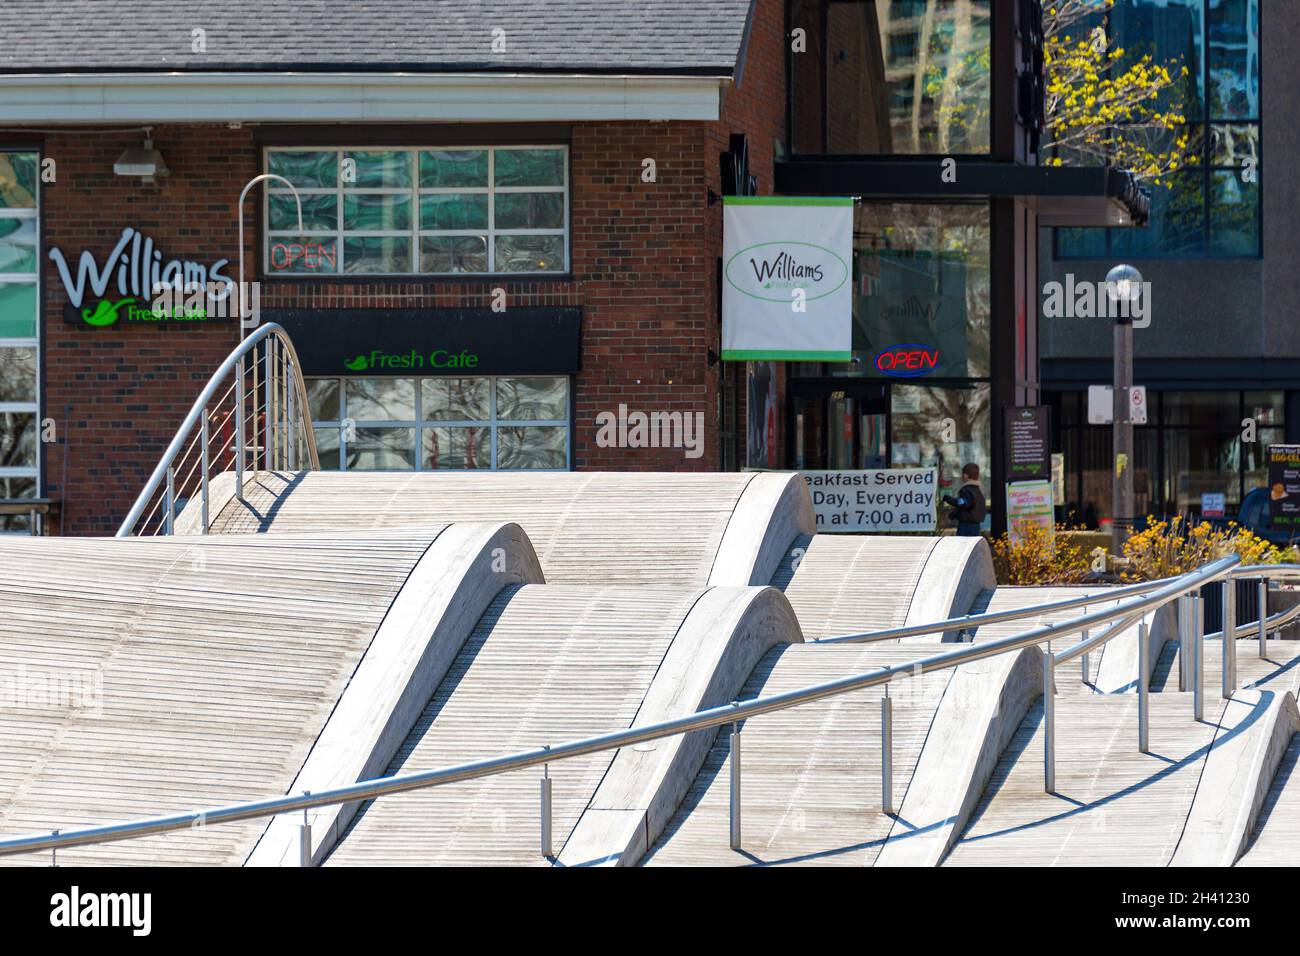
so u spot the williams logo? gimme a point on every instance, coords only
(771, 271)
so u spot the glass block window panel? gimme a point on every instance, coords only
(377, 254)
(453, 168)
(306, 170)
(447, 211)
(419, 211)
(380, 399)
(18, 177)
(18, 310)
(18, 374)
(17, 440)
(529, 253)
(460, 448)
(449, 254)
(457, 399)
(18, 246)
(530, 167)
(533, 399)
(462, 423)
(382, 449)
(389, 169)
(320, 213)
(532, 448)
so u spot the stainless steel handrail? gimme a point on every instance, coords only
(702, 720)
(233, 363)
(969, 621)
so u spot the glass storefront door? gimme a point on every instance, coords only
(838, 425)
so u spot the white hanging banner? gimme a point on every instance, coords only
(787, 290)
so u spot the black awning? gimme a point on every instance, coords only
(1065, 196)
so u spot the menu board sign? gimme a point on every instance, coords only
(1284, 485)
(1028, 442)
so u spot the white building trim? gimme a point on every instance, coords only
(353, 97)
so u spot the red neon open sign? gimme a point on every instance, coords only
(907, 361)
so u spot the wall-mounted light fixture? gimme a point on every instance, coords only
(143, 161)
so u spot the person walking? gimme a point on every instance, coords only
(969, 507)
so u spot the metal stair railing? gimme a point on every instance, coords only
(253, 414)
(1107, 622)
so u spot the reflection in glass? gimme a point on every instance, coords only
(380, 399)
(456, 399)
(18, 310)
(17, 375)
(454, 211)
(884, 77)
(318, 212)
(377, 254)
(1234, 59)
(918, 436)
(377, 170)
(376, 212)
(529, 167)
(17, 439)
(382, 449)
(17, 245)
(451, 168)
(440, 254)
(530, 210)
(533, 447)
(306, 170)
(17, 180)
(921, 278)
(532, 399)
(323, 399)
(1234, 214)
(327, 447)
(458, 448)
(530, 253)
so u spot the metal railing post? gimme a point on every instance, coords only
(1144, 688)
(548, 848)
(1049, 720)
(54, 851)
(1197, 641)
(204, 467)
(1263, 615)
(1184, 627)
(886, 753)
(1084, 660)
(1229, 668)
(170, 514)
(239, 427)
(735, 786)
(304, 837)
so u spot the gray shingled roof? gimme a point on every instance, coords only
(636, 36)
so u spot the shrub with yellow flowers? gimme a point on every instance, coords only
(1033, 557)
(1167, 548)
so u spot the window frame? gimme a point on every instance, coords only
(33, 342)
(420, 423)
(416, 192)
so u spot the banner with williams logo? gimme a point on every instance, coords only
(787, 292)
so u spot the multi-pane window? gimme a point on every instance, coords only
(425, 424)
(19, 298)
(1210, 209)
(459, 210)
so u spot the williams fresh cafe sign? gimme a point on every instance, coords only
(787, 291)
(136, 284)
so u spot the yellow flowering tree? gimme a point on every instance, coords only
(1104, 107)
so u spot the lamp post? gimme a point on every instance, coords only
(243, 328)
(1123, 286)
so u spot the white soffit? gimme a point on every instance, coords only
(352, 97)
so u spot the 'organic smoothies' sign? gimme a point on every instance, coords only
(786, 291)
(1029, 504)
(883, 500)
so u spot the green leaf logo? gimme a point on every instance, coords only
(358, 364)
(105, 312)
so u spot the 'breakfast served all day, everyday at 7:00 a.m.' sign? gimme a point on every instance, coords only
(883, 500)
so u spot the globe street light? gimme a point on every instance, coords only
(1124, 288)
